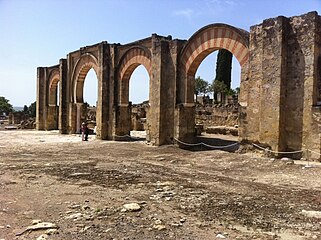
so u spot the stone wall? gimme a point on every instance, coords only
(139, 116)
(217, 115)
(279, 101)
(284, 80)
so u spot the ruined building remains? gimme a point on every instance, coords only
(280, 89)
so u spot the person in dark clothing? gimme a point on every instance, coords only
(84, 131)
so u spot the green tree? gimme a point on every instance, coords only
(224, 67)
(5, 106)
(237, 90)
(201, 86)
(219, 87)
(25, 109)
(32, 109)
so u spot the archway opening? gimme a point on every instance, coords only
(53, 106)
(217, 87)
(139, 101)
(90, 98)
(58, 94)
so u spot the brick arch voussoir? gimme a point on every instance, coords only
(211, 38)
(129, 62)
(54, 78)
(131, 59)
(82, 67)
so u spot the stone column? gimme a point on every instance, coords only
(41, 99)
(250, 107)
(274, 78)
(79, 116)
(185, 122)
(51, 123)
(185, 111)
(308, 35)
(63, 98)
(123, 120)
(162, 93)
(104, 127)
(122, 106)
(72, 112)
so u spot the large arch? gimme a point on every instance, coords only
(204, 42)
(129, 62)
(131, 59)
(54, 79)
(52, 100)
(82, 67)
(197, 48)
(86, 62)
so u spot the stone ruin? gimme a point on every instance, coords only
(280, 87)
(21, 120)
(139, 116)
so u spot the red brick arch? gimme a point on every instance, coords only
(129, 62)
(54, 79)
(204, 42)
(214, 37)
(82, 67)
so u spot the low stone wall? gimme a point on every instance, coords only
(217, 115)
(223, 130)
(216, 118)
(17, 117)
(138, 116)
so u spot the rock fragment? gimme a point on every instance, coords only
(131, 207)
(38, 226)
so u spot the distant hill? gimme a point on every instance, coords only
(17, 108)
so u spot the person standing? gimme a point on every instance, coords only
(83, 131)
(86, 132)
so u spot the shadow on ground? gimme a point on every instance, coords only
(206, 143)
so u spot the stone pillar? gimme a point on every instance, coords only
(185, 122)
(185, 111)
(79, 109)
(243, 99)
(122, 106)
(10, 118)
(63, 98)
(123, 120)
(51, 123)
(273, 81)
(162, 93)
(308, 35)
(104, 110)
(250, 107)
(41, 99)
(261, 115)
(73, 127)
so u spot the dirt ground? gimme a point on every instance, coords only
(131, 190)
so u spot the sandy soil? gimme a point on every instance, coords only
(130, 190)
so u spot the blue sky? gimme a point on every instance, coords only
(40, 32)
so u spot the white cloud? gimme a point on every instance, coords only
(230, 2)
(184, 12)
(223, 2)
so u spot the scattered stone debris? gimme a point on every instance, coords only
(220, 236)
(74, 216)
(11, 127)
(28, 124)
(204, 195)
(38, 226)
(158, 225)
(42, 237)
(36, 221)
(312, 214)
(131, 207)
